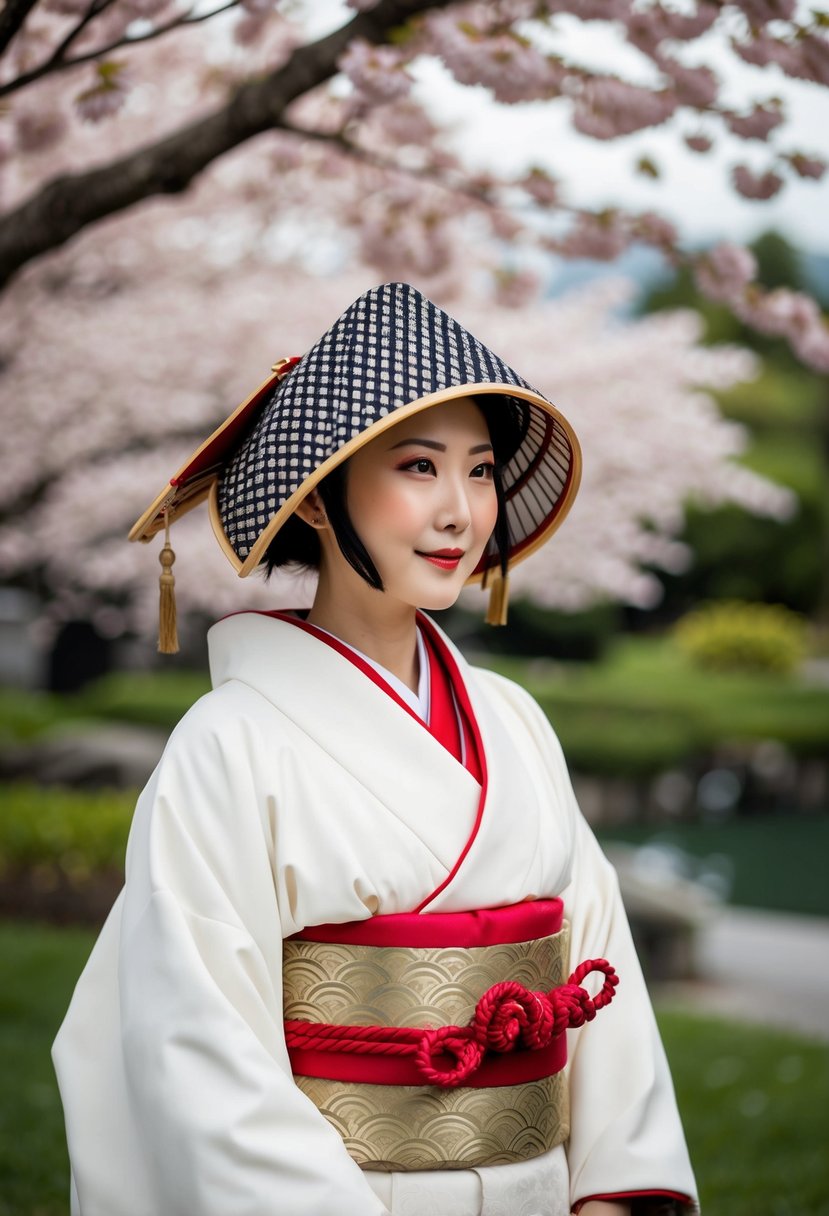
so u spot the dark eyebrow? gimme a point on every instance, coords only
(438, 447)
(422, 443)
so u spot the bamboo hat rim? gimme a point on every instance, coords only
(198, 478)
(391, 355)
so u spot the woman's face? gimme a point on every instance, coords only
(422, 499)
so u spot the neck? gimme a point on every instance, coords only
(369, 623)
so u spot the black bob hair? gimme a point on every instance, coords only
(296, 543)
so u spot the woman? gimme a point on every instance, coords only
(336, 980)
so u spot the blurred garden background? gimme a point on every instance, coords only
(628, 201)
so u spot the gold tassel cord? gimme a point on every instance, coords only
(496, 613)
(167, 632)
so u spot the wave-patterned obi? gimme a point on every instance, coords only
(437, 1041)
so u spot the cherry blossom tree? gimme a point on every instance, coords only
(121, 357)
(653, 440)
(111, 103)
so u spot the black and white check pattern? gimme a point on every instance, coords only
(391, 347)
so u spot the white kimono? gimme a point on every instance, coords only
(299, 793)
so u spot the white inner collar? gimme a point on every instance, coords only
(418, 701)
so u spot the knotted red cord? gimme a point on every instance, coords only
(507, 1017)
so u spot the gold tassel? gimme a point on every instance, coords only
(167, 633)
(496, 613)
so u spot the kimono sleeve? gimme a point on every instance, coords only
(626, 1138)
(222, 1126)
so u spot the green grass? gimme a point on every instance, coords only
(646, 707)
(756, 1111)
(754, 1102)
(777, 862)
(39, 968)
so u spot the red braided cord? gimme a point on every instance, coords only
(359, 1040)
(508, 1016)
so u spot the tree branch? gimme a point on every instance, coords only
(96, 7)
(67, 204)
(56, 63)
(12, 17)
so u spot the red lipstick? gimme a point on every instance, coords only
(447, 559)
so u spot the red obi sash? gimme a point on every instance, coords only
(515, 1034)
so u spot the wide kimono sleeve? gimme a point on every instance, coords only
(626, 1138)
(172, 1063)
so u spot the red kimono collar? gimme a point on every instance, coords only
(451, 721)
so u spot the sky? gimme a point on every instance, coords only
(693, 190)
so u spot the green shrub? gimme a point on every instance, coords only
(71, 831)
(737, 636)
(25, 714)
(614, 741)
(152, 698)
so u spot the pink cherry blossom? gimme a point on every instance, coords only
(399, 124)
(814, 54)
(377, 72)
(724, 271)
(107, 95)
(758, 186)
(606, 108)
(793, 316)
(516, 288)
(38, 130)
(648, 27)
(7, 145)
(250, 27)
(99, 103)
(377, 172)
(759, 51)
(504, 224)
(758, 124)
(697, 87)
(812, 345)
(541, 187)
(600, 237)
(699, 143)
(805, 57)
(506, 63)
(144, 8)
(655, 230)
(68, 8)
(807, 166)
(782, 312)
(761, 12)
(593, 10)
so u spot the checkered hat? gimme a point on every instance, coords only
(391, 354)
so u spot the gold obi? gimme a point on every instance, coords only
(493, 1118)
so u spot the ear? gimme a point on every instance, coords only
(312, 511)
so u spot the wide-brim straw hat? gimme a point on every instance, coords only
(391, 354)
